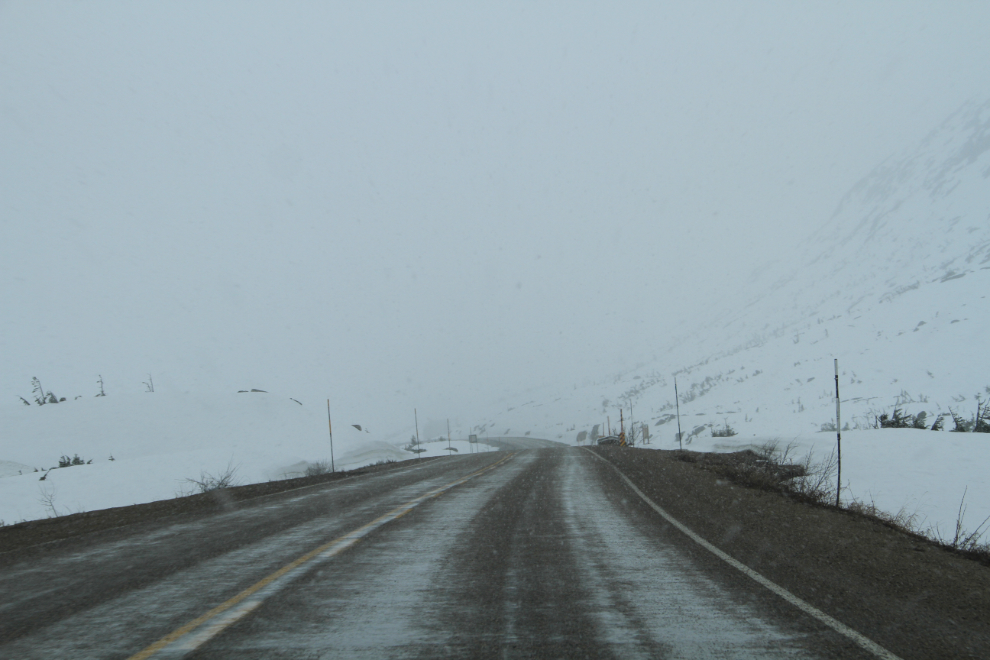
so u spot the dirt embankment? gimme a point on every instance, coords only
(37, 532)
(912, 597)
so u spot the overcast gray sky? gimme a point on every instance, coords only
(427, 204)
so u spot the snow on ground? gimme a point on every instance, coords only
(159, 442)
(920, 472)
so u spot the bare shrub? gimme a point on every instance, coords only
(773, 467)
(817, 478)
(968, 542)
(209, 482)
(47, 499)
(769, 467)
(903, 520)
(899, 420)
(724, 432)
(317, 468)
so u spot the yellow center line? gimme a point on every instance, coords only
(349, 539)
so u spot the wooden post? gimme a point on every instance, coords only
(333, 468)
(677, 402)
(838, 434)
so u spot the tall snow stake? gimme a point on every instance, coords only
(677, 401)
(838, 434)
(416, 416)
(333, 468)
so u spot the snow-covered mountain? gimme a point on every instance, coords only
(893, 285)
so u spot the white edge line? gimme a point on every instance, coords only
(841, 628)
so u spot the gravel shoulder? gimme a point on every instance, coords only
(908, 595)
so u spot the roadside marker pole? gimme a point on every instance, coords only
(838, 434)
(416, 416)
(677, 401)
(448, 435)
(333, 468)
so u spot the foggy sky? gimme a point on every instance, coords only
(427, 204)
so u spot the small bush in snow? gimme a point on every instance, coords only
(724, 432)
(319, 467)
(829, 426)
(65, 461)
(961, 425)
(40, 396)
(413, 446)
(899, 420)
(208, 482)
(773, 468)
(982, 422)
(970, 542)
(902, 520)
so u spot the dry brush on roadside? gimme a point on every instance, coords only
(774, 467)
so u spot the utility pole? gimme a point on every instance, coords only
(838, 434)
(333, 468)
(677, 402)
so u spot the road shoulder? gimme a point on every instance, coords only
(916, 600)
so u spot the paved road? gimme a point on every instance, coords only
(530, 552)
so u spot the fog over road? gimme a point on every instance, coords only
(534, 551)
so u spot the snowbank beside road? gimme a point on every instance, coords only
(158, 443)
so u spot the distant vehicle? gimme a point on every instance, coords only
(610, 440)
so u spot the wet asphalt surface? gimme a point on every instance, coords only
(546, 554)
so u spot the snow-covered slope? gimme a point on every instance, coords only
(893, 285)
